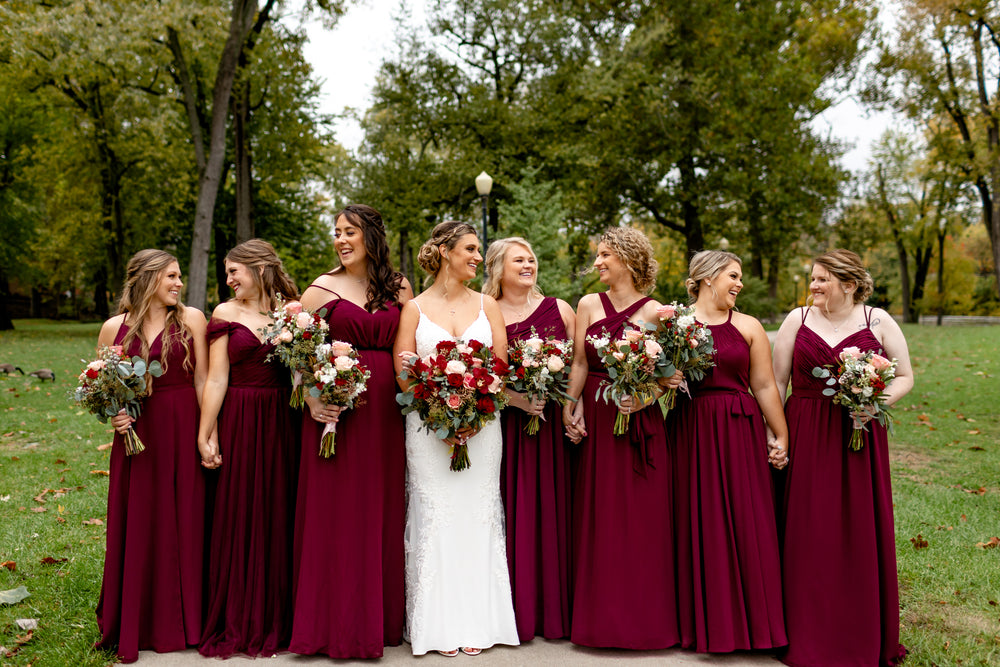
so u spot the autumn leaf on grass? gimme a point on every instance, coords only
(9, 564)
(26, 623)
(101, 448)
(49, 560)
(919, 542)
(38, 509)
(100, 472)
(93, 522)
(21, 640)
(992, 543)
(14, 595)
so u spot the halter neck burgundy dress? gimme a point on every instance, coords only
(536, 486)
(728, 561)
(351, 510)
(151, 593)
(624, 593)
(250, 567)
(841, 591)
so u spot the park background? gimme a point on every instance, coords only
(191, 125)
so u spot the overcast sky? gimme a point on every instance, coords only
(346, 60)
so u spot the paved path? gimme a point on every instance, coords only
(538, 652)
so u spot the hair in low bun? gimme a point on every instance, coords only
(446, 234)
(846, 266)
(705, 265)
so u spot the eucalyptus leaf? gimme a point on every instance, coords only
(441, 433)
(820, 372)
(829, 392)
(155, 368)
(124, 369)
(139, 366)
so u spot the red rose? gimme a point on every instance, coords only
(446, 346)
(475, 345)
(306, 335)
(339, 382)
(92, 373)
(500, 366)
(455, 379)
(421, 392)
(486, 405)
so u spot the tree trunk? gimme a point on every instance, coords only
(244, 173)
(405, 261)
(940, 279)
(222, 243)
(190, 98)
(920, 271)
(101, 294)
(240, 22)
(6, 323)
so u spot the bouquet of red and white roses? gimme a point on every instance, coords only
(687, 344)
(540, 369)
(631, 361)
(295, 333)
(338, 379)
(112, 383)
(862, 378)
(457, 387)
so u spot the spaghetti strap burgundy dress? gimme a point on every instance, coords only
(250, 564)
(351, 511)
(841, 591)
(536, 486)
(151, 593)
(624, 593)
(728, 561)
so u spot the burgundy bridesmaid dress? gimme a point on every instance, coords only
(151, 594)
(250, 563)
(351, 510)
(728, 560)
(839, 552)
(536, 486)
(624, 593)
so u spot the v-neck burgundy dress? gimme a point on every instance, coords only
(250, 567)
(351, 509)
(151, 593)
(841, 591)
(536, 486)
(624, 592)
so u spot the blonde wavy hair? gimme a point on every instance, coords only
(496, 257)
(266, 270)
(636, 253)
(846, 266)
(142, 279)
(705, 265)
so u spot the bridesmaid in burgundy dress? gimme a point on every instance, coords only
(536, 483)
(255, 446)
(348, 556)
(839, 553)
(728, 563)
(151, 593)
(624, 593)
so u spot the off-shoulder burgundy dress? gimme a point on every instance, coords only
(728, 569)
(841, 591)
(351, 511)
(250, 564)
(151, 593)
(536, 486)
(624, 593)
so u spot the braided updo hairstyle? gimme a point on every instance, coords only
(705, 265)
(846, 267)
(445, 233)
(636, 253)
(142, 278)
(266, 270)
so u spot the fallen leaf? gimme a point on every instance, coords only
(975, 431)
(977, 449)
(60, 461)
(100, 472)
(14, 595)
(27, 623)
(993, 603)
(93, 522)
(49, 560)
(963, 518)
(992, 543)
(38, 509)
(919, 542)
(946, 645)
(9, 564)
(101, 448)
(923, 417)
(21, 640)
(60, 519)
(40, 498)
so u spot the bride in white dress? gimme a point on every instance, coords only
(457, 585)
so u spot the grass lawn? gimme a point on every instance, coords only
(946, 477)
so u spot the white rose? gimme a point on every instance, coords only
(534, 344)
(555, 364)
(455, 366)
(344, 363)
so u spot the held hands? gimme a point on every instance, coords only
(777, 451)
(209, 451)
(573, 421)
(122, 422)
(672, 382)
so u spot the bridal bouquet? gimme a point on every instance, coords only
(338, 379)
(113, 382)
(862, 378)
(540, 369)
(295, 333)
(631, 361)
(458, 386)
(687, 345)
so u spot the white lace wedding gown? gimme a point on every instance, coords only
(457, 584)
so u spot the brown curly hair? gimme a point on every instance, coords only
(846, 266)
(636, 253)
(445, 233)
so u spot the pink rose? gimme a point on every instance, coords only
(293, 307)
(454, 401)
(339, 348)
(653, 348)
(880, 363)
(495, 385)
(633, 335)
(693, 342)
(343, 363)
(97, 365)
(303, 320)
(850, 353)
(117, 349)
(477, 362)
(618, 355)
(468, 380)
(455, 366)
(555, 364)
(285, 336)
(666, 312)
(534, 344)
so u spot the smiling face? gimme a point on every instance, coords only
(241, 281)
(727, 285)
(349, 240)
(169, 284)
(609, 265)
(464, 259)
(520, 268)
(827, 291)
